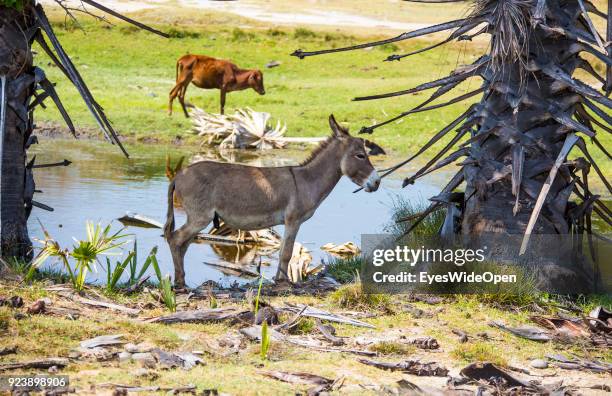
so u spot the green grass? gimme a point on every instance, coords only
(131, 73)
(352, 296)
(479, 352)
(392, 348)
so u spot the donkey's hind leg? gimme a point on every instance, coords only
(180, 241)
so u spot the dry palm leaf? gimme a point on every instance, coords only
(299, 265)
(346, 249)
(245, 128)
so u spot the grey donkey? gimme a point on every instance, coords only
(252, 198)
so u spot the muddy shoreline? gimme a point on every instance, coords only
(55, 130)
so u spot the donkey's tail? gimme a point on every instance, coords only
(169, 227)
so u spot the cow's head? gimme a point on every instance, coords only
(256, 82)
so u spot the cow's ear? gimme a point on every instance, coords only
(339, 131)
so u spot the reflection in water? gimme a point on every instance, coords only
(101, 185)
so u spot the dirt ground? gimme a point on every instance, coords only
(231, 362)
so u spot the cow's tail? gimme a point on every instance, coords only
(169, 227)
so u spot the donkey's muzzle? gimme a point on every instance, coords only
(372, 182)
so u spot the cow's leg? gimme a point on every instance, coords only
(180, 241)
(286, 250)
(182, 99)
(223, 94)
(173, 94)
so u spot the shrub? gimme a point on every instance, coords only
(303, 33)
(352, 296)
(402, 208)
(276, 33)
(241, 35)
(181, 34)
(345, 270)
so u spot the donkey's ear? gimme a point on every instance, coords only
(339, 131)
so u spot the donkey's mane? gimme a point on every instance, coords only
(318, 150)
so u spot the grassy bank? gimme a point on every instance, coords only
(238, 371)
(131, 72)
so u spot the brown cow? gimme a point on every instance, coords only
(208, 73)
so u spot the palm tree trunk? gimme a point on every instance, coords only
(17, 72)
(524, 136)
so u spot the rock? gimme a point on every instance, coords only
(131, 348)
(272, 64)
(144, 347)
(12, 302)
(539, 364)
(145, 373)
(124, 356)
(53, 370)
(144, 358)
(152, 95)
(37, 307)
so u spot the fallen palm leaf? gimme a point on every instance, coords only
(105, 340)
(413, 367)
(329, 332)
(324, 315)
(346, 249)
(562, 326)
(35, 364)
(297, 377)
(528, 332)
(204, 316)
(490, 373)
(580, 364)
(244, 129)
(237, 269)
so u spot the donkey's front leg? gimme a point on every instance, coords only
(286, 251)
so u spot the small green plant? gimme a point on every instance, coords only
(99, 241)
(168, 296)
(265, 335)
(265, 340)
(5, 319)
(17, 266)
(114, 274)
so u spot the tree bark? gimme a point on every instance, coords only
(524, 127)
(16, 65)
